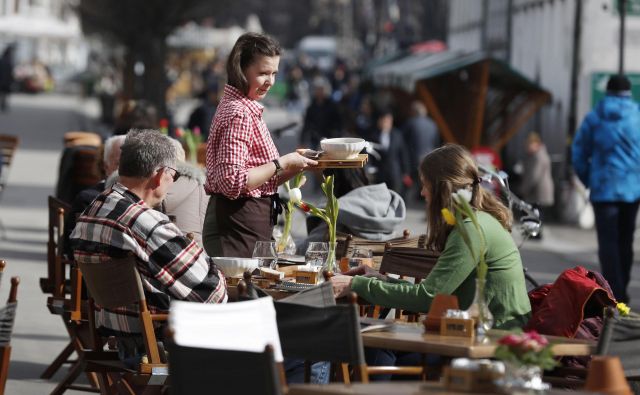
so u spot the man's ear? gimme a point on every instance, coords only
(154, 180)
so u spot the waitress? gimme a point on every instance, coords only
(244, 167)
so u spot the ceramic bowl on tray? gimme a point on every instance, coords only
(343, 147)
(234, 267)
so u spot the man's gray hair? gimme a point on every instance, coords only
(110, 143)
(145, 151)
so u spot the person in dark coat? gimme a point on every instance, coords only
(322, 119)
(202, 116)
(393, 166)
(606, 158)
(421, 136)
(6, 76)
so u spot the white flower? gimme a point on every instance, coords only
(295, 195)
(462, 194)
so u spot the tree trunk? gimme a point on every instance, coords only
(155, 82)
(128, 77)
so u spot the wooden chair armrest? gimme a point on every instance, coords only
(159, 317)
(400, 370)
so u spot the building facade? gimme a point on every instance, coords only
(537, 38)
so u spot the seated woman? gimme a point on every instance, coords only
(443, 172)
(372, 212)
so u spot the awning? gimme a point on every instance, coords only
(475, 99)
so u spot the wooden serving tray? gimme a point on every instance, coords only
(355, 163)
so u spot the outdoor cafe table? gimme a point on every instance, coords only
(391, 388)
(411, 337)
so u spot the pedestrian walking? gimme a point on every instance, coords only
(421, 136)
(6, 76)
(537, 183)
(606, 158)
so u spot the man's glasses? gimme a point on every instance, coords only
(176, 174)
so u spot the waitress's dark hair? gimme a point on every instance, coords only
(245, 51)
(346, 180)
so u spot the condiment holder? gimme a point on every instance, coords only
(472, 375)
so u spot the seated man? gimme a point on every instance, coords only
(121, 221)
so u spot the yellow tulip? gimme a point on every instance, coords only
(448, 217)
(623, 309)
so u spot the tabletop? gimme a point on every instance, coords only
(392, 388)
(411, 337)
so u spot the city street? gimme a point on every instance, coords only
(41, 120)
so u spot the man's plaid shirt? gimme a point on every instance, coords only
(170, 264)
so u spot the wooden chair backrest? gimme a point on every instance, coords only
(56, 261)
(116, 283)
(408, 262)
(348, 243)
(8, 146)
(85, 167)
(621, 337)
(7, 319)
(113, 284)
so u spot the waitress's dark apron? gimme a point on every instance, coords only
(232, 227)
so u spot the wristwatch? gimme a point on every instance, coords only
(279, 169)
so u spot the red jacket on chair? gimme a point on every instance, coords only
(560, 308)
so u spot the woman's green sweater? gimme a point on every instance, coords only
(455, 273)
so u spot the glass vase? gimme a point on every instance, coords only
(520, 376)
(330, 264)
(479, 311)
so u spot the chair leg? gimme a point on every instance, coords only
(59, 361)
(68, 380)
(5, 357)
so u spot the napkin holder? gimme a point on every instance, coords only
(439, 306)
(461, 327)
(233, 281)
(479, 380)
(306, 276)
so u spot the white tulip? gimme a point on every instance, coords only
(295, 195)
(462, 194)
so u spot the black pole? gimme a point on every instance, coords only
(573, 92)
(622, 8)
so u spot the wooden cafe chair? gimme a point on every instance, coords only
(346, 244)
(8, 147)
(112, 285)
(65, 302)
(7, 318)
(406, 263)
(74, 311)
(233, 347)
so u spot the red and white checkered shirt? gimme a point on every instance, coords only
(238, 141)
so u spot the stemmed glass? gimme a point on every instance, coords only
(265, 253)
(316, 254)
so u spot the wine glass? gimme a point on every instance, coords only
(316, 255)
(265, 253)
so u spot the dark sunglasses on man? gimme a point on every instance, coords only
(176, 174)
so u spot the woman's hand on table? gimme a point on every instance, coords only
(341, 285)
(366, 271)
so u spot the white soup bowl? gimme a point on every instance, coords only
(343, 147)
(234, 267)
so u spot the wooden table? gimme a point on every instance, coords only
(276, 294)
(411, 337)
(391, 388)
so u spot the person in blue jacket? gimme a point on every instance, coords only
(606, 158)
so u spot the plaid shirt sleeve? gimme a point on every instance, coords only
(231, 156)
(181, 266)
